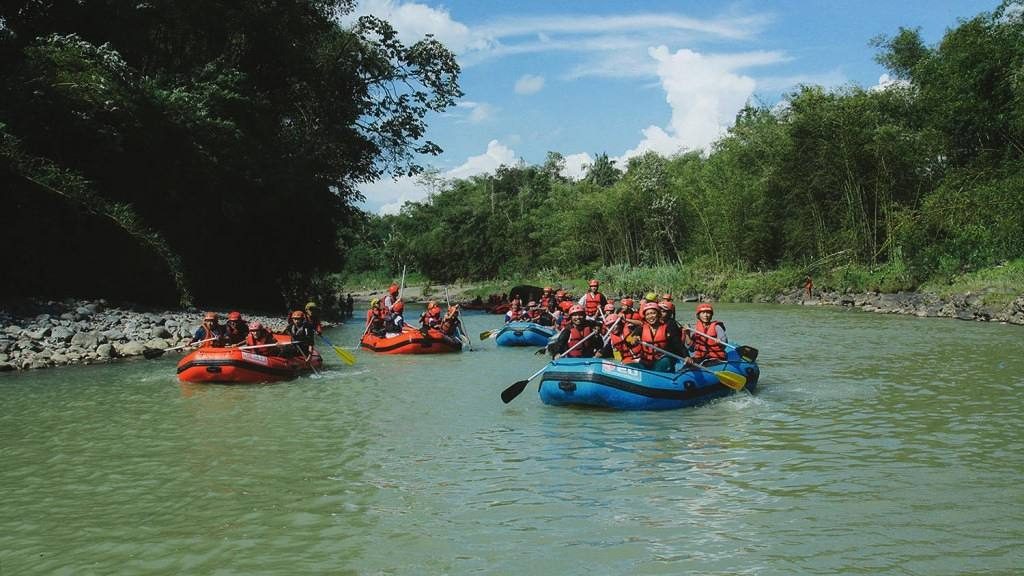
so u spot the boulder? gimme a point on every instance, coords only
(106, 351)
(61, 334)
(86, 340)
(133, 348)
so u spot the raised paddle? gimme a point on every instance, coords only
(509, 394)
(730, 379)
(345, 355)
(150, 353)
(749, 353)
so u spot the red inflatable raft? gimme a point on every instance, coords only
(412, 341)
(240, 365)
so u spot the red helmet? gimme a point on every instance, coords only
(393, 289)
(649, 306)
(234, 316)
(611, 319)
(705, 307)
(627, 302)
(547, 288)
(254, 326)
(297, 314)
(667, 305)
(210, 316)
(594, 283)
(398, 306)
(609, 307)
(565, 305)
(575, 309)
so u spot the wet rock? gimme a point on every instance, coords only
(106, 350)
(133, 348)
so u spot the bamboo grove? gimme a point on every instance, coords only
(924, 177)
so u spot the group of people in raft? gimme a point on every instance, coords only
(385, 317)
(254, 336)
(622, 330)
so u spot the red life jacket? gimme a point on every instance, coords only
(545, 302)
(634, 315)
(629, 353)
(591, 302)
(575, 335)
(659, 339)
(704, 347)
(207, 334)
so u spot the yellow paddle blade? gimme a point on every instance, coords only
(617, 355)
(345, 355)
(731, 379)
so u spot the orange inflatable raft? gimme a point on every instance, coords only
(411, 341)
(241, 365)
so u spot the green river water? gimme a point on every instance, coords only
(875, 445)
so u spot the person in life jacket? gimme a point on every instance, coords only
(450, 324)
(563, 312)
(301, 332)
(210, 328)
(668, 312)
(391, 298)
(395, 322)
(515, 313)
(622, 339)
(547, 299)
(630, 314)
(313, 317)
(259, 336)
(375, 318)
(235, 330)
(431, 317)
(705, 348)
(580, 327)
(593, 301)
(664, 335)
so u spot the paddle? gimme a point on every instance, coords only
(749, 353)
(345, 355)
(545, 349)
(150, 353)
(299, 348)
(509, 394)
(488, 333)
(730, 379)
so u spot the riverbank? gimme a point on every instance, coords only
(42, 334)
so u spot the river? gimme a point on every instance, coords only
(875, 445)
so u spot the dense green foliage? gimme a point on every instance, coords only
(914, 182)
(211, 148)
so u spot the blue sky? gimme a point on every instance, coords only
(584, 78)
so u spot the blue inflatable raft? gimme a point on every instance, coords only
(610, 384)
(524, 334)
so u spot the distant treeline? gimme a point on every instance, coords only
(924, 177)
(199, 151)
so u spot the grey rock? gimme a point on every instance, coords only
(83, 312)
(61, 334)
(160, 332)
(106, 350)
(113, 334)
(133, 348)
(5, 367)
(13, 330)
(86, 340)
(59, 359)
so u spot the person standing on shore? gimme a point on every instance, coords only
(808, 287)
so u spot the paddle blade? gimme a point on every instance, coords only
(509, 394)
(485, 334)
(150, 353)
(345, 355)
(731, 379)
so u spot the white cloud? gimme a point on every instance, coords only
(704, 91)
(886, 82)
(413, 21)
(529, 84)
(496, 155)
(575, 165)
(478, 111)
(387, 196)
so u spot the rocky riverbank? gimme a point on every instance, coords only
(35, 334)
(42, 334)
(960, 306)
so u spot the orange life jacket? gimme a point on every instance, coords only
(629, 353)
(659, 338)
(591, 302)
(575, 335)
(634, 315)
(704, 347)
